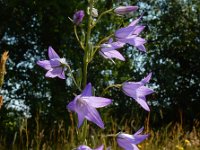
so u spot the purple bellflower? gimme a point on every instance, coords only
(122, 10)
(84, 105)
(78, 17)
(108, 50)
(84, 147)
(138, 91)
(129, 142)
(56, 66)
(130, 35)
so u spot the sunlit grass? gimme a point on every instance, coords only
(67, 137)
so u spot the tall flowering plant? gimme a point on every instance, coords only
(85, 104)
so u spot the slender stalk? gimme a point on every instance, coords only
(87, 49)
(79, 41)
(73, 77)
(101, 15)
(110, 86)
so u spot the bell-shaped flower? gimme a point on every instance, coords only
(84, 147)
(122, 10)
(138, 91)
(78, 17)
(56, 66)
(108, 50)
(130, 35)
(129, 142)
(85, 106)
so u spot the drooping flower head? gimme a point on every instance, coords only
(56, 66)
(138, 91)
(85, 106)
(84, 147)
(78, 17)
(108, 50)
(129, 142)
(122, 10)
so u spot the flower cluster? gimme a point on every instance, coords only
(85, 104)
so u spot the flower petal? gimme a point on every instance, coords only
(134, 41)
(146, 79)
(71, 106)
(87, 90)
(62, 74)
(129, 88)
(99, 148)
(124, 32)
(83, 147)
(140, 138)
(124, 143)
(81, 117)
(111, 54)
(141, 48)
(55, 63)
(138, 29)
(56, 72)
(143, 103)
(134, 22)
(93, 115)
(143, 91)
(50, 74)
(45, 64)
(139, 131)
(97, 102)
(51, 53)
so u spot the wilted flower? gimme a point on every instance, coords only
(56, 66)
(129, 142)
(138, 91)
(108, 50)
(84, 147)
(84, 105)
(78, 17)
(121, 10)
(130, 34)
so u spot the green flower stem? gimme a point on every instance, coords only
(72, 76)
(87, 48)
(111, 86)
(101, 15)
(79, 41)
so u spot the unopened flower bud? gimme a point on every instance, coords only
(78, 17)
(121, 10)
(94, 12)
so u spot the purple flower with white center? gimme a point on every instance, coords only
(138, 91)
(122, 10)
(56, 66)
(84, 105)
(108, 50)
(84, 147)
(130, 34)
(78, 17)
(129, 142)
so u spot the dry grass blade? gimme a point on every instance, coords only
(1, 101)
(4, 58)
